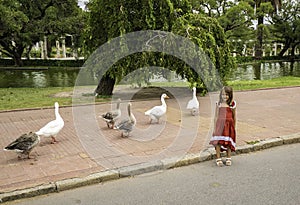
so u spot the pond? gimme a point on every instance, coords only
(265, 71)
(66, 77)
(52, 77)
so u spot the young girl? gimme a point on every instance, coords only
(224, 125)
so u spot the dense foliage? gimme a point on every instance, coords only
(163, 15)
(218, 28)
(286, 26)
(24, 23)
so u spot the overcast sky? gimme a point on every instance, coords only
(81, 3)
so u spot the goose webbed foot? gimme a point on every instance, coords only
(124, 135)
(29, 157)
(24, 156)
(54, 141)
(112, 125)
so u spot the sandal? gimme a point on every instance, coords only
(228, 161)
(219, 162)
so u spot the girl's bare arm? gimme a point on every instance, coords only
(234, 116)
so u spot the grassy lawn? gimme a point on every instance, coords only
(263, 84)
(18, 98)
(15, 98)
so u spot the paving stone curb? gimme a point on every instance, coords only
(138, 169)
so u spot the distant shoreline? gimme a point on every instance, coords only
(23, 68)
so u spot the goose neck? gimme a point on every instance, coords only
(163, 102)
(57, 115)
(130, 114)
(132, 118)
(129, 110)
(194, 94)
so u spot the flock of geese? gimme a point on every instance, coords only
(26, 142)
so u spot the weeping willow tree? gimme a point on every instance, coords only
(113, 19)
(209, 36)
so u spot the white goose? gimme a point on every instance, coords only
(54, 127)
(193, 104)
(127, 125)
(157, 112)
(112, 116)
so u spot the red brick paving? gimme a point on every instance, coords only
(261, 114)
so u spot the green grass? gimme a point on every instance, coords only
(16, 98)
(22, 98)
(19, 98)
(264, 84)
(170, 84)
(252, 142)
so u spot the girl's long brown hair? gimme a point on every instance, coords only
(228, 90)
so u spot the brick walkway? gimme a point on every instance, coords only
(87, 146)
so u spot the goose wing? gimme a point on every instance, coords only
(112, 115)
(24, 142)
(126, 125)
(193, 103)
(156, 111)
(51, 128)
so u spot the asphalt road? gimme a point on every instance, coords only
(266, 177)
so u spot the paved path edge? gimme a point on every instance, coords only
(137, 169)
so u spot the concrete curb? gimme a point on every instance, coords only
(137, 169)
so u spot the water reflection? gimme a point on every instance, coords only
(52, 77)
(264, 71)
(66, 77)
(39, 79)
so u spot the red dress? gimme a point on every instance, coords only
(224, 133)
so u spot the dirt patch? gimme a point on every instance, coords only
(140, 93)
(151, 92)
(63, 95)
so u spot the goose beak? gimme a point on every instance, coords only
(167, 97)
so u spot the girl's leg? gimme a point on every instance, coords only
(218, 155)
(228, 159)
(218, 151)
(228, 152)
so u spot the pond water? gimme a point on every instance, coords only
(264, 71)
(66, 77)
(52, 77)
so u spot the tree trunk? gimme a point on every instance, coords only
(18, 55)
(257, 71)
(18, 60)
(285, 48)
(105, 86)
(292, 67)
(15, 54)
(293, 51)
(294, 48)
(49, 48)
(259, 40)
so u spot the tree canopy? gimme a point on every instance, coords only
(207, 33)
(286, 26)
(235, 17)
(217, 27)
(23, 23)
(109, 20)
